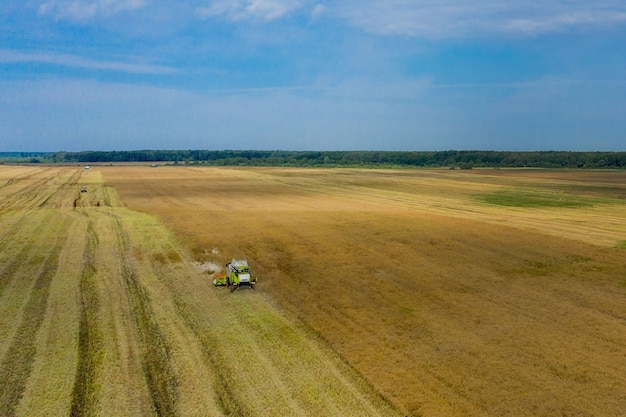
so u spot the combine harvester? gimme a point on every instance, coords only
(237, 274)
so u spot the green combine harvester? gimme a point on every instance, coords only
(237, 274)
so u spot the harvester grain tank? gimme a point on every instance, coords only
(237, 274)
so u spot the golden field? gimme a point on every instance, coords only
(104, 313)
(381, 292)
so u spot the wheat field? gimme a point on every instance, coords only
(465, 293)
(103, 312)
(381, 292)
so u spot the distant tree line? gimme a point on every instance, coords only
(453, 159)
(25, 157)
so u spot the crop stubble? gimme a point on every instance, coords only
(454, 293)
(103, 313)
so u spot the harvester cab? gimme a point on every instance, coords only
(237, 274)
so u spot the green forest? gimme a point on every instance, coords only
(452, 159)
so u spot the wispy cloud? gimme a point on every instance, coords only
(9, 56)
(455, 18)
(562, 20)
(250, 9)
(318, 10)
(435, 19)
(84, 10)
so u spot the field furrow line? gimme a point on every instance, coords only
(155, 357)
(262, 357)
(13, 223)
(150, 265)
(285, 343)
(111, 377)
(19, 241)
(28, 190)
(90, 351)
(20, 273)
(17, 361)
(222, 382)
(49, 387)
(21, 177)
(61, 191)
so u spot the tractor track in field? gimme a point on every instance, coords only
(84, 392)
(222, 380)
(17, 360)
(156, 361)
(154, 352)
(14, 239)
(68, 185)
(18, 277)
(27, 196)
(33, 190)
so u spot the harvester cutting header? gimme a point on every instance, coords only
(237, 274)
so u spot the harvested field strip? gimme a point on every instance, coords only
(148, 352)
(155, 356)
(188, 375)
(19, 274)
(18, 244)
(263, 362)
(48, 391)
(29, 191)
(17, 361)
(12, 223)
(265, 373)
(114, 350)
(90, 350)
(61, 190)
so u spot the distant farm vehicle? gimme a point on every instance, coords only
(237, 275)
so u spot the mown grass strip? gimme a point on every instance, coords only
(17, 364)
(156, 361)
(90, 357)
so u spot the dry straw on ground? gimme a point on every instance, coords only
(484, 292)
(103, 313)
(426, 292)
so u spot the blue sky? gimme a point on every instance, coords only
(312, 75)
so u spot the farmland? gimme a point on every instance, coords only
(381, 292)
(103, 313)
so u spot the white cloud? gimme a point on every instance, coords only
(84, 10)
(563, 21)
(459, 18)
(318, 11)
(67, 60)
(250, 9)
(435, 19)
